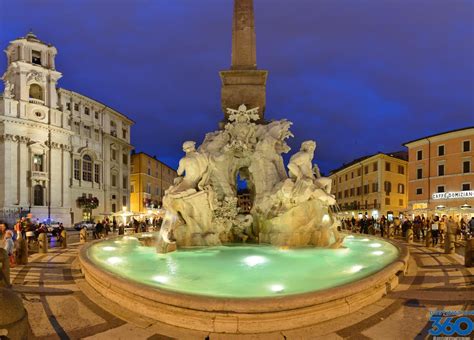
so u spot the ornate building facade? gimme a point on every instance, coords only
(63, 156)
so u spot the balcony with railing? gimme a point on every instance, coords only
(36, 101)
(39, 175)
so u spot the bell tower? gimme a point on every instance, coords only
(243, 83)
(31, 76)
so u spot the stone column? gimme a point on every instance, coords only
(23, 174)
(449, 243)
(409, 236)
(43, 243)
(83, 235)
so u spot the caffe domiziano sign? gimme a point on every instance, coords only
(453, 195)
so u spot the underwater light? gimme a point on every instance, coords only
(277, 288)
(161, 278)
(108, 248)
(356, 268)
(254, 260)
(375, 245)
(377, 252)
(114, 260)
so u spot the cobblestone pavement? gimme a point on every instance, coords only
(61, 305)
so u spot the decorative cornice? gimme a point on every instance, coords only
(14, 138)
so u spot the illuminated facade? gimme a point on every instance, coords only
(441, 173)
(376, 185)
(148, 181)
(59, 150)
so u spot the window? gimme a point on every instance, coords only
(366, 189)
(77, 171)
(346, 177)
(124, 133)
(124, 201)
(419, 155)
(419, 173)
(68, 106)
(113, 128)
(97, 173)
(86, 111)
(113, 154)
(339, 195)
(339, 179)
(38, 163)
(466, 187)
(466, 167)
(387, 186)
(401, 169)
(96, 134)
(387, 201)
(358, 172)
(346, 193)
(76, 107)
(148, 171)
(157, 191)
(387, 166)
(401, 188)
(114, 197)
(36, 92)
(125, 182)
(77, 127)
(352, 192)
(36, 57)
(125, 158)
(440, 150)
(87, 168)
(87, 130)
(38, 196)
(375, 166)
(375, 187)
(358, 191)
(96, 115)
(148, 188)
(419, 191)
(375, 204)
(114, 207)
(466, 146)
(352, 174)
(366, 169)
(440, 188)
(400, 202)
(440, 169)
(114, 180)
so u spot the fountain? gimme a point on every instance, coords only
(213, 268)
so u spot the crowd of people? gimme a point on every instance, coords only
(463, 228)
(103, 227)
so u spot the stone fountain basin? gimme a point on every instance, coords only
(224, 314)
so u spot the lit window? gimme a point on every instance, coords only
(87, 168)
(38, 163)
(97, 173)
(77, 167)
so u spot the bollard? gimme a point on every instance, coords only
(14, 318)
(428, 239)
(5, 270)
(64, 239)
(449, 243)
(21, 251)
(391, 231)
(43, 243)
(83, 235)
(409, 236)
(469, 253)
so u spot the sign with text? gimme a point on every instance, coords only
(453, 195)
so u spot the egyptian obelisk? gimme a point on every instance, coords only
(243, 83)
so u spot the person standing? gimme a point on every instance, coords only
(435, 230)
(9, 246)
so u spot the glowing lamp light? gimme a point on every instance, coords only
(356, 268)
(161, 279)
(326, 218)
(114, 260)
(377, 252)
(375, 245)
(277, 288)
(108, 248)
(252, 261)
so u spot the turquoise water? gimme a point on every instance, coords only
(244, 271)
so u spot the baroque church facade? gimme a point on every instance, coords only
(63, 156)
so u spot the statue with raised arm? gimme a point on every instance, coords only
(192, 170)
(300, 166)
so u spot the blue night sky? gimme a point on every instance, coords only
(357, 76)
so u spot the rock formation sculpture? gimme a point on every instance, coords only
(287, 210)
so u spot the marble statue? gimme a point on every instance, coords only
(288, 209)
